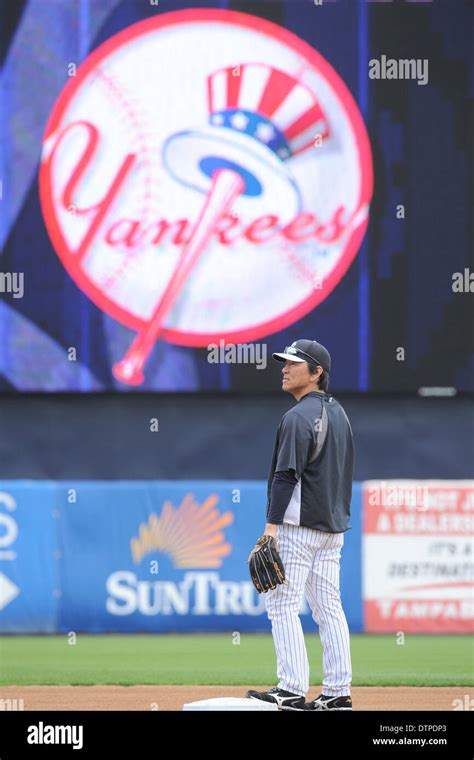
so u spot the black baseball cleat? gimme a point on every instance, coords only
(329, 703)
(285, 700)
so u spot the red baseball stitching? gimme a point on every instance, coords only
(133, 112)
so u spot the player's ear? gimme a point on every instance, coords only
(316, 372)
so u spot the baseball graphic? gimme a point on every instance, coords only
(206, 175)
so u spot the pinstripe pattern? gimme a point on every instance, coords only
(311, 561)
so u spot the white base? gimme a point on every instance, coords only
(230, 703)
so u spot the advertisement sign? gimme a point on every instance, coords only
(147, 556)
(160, 556)
(29, 556)
(418, 556)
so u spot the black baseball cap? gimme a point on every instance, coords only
(306, 351)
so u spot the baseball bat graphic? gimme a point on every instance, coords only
(225, 188)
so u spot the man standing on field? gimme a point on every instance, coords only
(308, 510)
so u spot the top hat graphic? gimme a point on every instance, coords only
(259, 118)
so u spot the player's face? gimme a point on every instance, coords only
(296, 377)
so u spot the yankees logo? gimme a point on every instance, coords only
(200, 174)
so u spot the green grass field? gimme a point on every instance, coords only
(215, 659)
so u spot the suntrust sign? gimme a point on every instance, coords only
(199, 593)
(171, 556)
(206, 175)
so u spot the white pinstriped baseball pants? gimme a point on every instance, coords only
(311, 561)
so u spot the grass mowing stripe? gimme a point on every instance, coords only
(215, 659)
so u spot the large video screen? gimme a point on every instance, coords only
(191, 186)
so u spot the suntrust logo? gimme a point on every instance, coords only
(199, 593)
(191, 535)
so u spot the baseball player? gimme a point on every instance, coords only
(308, 509)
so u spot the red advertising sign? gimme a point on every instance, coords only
(418, 556)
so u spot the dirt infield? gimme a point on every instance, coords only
(173, 697)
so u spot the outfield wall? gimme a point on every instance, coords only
(162, 556)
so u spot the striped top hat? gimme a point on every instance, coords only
(259, 118)
(268, 105)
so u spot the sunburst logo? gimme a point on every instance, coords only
(192, 534)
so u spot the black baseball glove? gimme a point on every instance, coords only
(265, 565)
